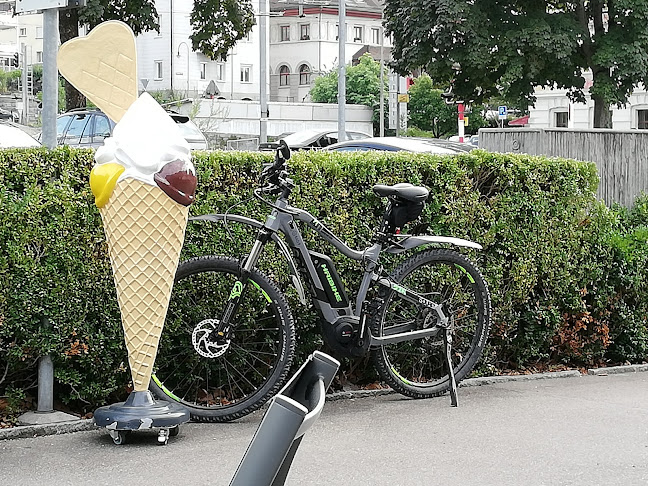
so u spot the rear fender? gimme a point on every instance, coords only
(294, 274)
(407, 242)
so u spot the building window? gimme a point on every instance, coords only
(304, 74)
(358, 32)
(203, 70)
(246, 74)
(285, 32)
(23, 32)
(375, 36)
(158, 70)
(337, 31)
(304, 31)
(284, 76)
(39, 56)
(220, 71)
(642, 119)
(562, 119)
(39, 32)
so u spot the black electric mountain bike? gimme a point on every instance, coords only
(229, 338)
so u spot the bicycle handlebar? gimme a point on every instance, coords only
(275, 175)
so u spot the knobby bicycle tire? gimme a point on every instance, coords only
(417, 368)
(223, 380)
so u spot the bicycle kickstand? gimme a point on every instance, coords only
(447, 340)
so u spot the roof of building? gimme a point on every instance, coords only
(373, 51)
(522, 121)
(361, 5)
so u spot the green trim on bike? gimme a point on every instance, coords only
(404, 380)
(262, 291)
(470, 277)
(166, 391)
(399, 289)
(237, 290)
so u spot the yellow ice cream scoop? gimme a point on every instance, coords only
(103, 179)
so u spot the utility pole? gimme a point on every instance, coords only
(50, 75)
(263, 70)
(382, 81)
(25, 85)
(342, 71)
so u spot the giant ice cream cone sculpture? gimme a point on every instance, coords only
(143, 183)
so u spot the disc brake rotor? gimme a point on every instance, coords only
(203, 342)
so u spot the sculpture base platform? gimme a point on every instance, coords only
(141, 411)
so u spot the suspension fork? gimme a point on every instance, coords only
(238, 290)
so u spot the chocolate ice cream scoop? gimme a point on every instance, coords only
(178, 181)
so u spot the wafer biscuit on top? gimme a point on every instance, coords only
(103, 66)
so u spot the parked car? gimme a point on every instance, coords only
(87, 128)
(441, 142)
(395, 144)
(12, 136)
(311, 139)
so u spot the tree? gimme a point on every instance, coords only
(362, 86)
(508, 47)
(427, 109)
(217, 25)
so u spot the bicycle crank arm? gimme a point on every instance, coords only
(403, 336)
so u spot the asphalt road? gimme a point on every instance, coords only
(589, 430)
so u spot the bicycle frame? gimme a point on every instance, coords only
(282, 220)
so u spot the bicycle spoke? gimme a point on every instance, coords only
(208, 375)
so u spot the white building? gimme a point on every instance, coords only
(553, 109)
(16, 31)
(302, 44)
(166, 61)
(304, 41)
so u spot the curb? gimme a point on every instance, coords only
(613, 370)
(26, 431)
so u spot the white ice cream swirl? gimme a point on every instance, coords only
(144, 141)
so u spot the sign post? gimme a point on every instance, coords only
(502, 114)
(393, 101)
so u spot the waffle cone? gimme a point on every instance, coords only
(145, 231)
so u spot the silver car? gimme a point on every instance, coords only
(87, 128)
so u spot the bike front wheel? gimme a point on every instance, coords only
(222, 377)
(417, 368)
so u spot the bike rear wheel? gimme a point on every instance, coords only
(418, 368)
(222, 378)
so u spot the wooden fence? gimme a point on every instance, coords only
(620, 156)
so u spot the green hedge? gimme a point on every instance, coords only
(567, 275)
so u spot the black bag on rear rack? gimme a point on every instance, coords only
(402, 212)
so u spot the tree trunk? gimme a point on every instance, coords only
(602, 114)
(69, 29)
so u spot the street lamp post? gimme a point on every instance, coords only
(342, 71)
(178, 55)
(456, 67)
(263, 71)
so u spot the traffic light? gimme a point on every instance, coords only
(15, 61)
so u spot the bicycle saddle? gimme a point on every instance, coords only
(408, 192)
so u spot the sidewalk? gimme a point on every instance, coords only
(580, 430)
